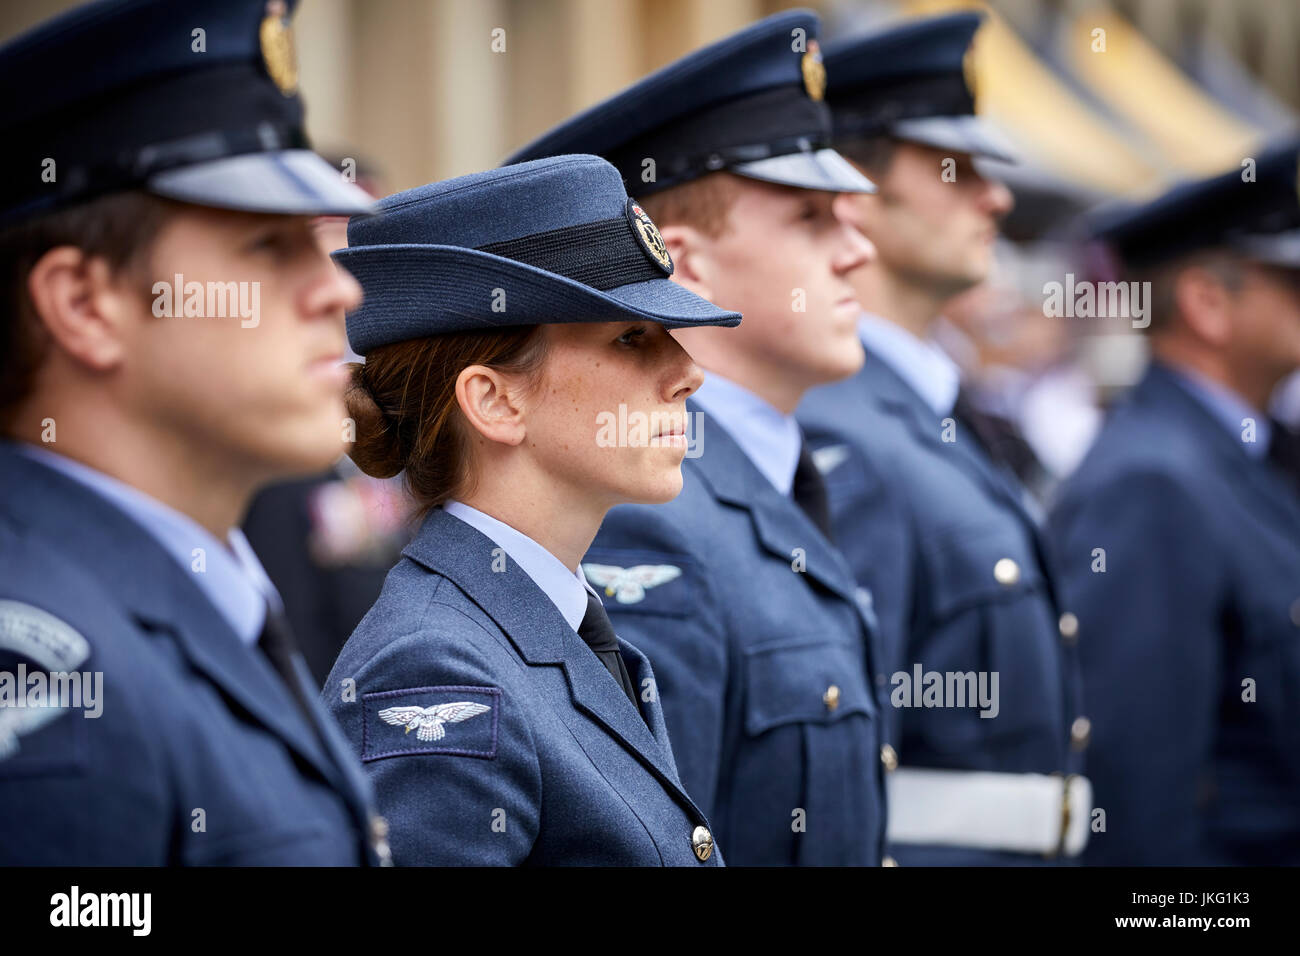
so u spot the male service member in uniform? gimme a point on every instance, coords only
(1178, 538)
(170, 340)
(982, 722)
(748, 614)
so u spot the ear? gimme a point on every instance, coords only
(1205, 306)
(82, 306)
(492, 405)
(693, 265)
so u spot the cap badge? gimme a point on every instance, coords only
(814, 71)
(276, 35)
(648, 235)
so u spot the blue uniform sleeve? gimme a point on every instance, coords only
(442, 737)
(678, 625)
(1150, 653)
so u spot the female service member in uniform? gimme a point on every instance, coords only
(519, 368)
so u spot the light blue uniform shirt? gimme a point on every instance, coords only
(233, 579)
(1228, 409)
(921, 364)
(769, 439)
(567, 591)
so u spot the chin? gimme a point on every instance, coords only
(664, 489)
(845, 362)
(312, 449)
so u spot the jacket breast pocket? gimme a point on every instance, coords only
(979, 565)
(810, 681)
(813, 775)
(987, 656)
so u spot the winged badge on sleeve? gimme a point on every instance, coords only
(427, 721)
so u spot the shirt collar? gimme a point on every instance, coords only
(919, 363)
(1228, 409)
(567, 591)
(231, 577)
(768, 438)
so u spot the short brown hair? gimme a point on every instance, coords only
(703, 203)
(1226, 267)
(118, 228)
(403, 400)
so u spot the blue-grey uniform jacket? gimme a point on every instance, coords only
(762, 650)
(1189, 637)
(961, 583)
(492, 733)
(198, 755)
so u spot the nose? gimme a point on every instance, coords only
(686, 378)
(852, 249)
(335, 291)
(995, 198)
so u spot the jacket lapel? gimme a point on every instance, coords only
(539, 632)
(782, 527)
(1160, 393)
(638, 666)
(158, 593)
(887, 389)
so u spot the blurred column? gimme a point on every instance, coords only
(326, 68)
(394, 93)
(672, 28)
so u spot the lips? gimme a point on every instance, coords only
(331, 368)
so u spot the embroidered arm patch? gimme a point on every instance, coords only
(451, 719)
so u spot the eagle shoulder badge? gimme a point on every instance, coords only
(628, 585)
(276, 36)
(451, 719)
(54, 646)
(814, 71)
(647, 234)
(427, 722)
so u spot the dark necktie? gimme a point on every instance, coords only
(1000, 439)
(276, 642)
(809, 491)
(1284, 452)
(598, 632)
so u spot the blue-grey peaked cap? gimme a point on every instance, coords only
(751, 103)
(555, 240)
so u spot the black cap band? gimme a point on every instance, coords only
(774, 122)
(873, 110)
(241, 113)
(603, 255)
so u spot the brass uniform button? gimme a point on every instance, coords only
(1068, 625)
(832, 697)
(1006, 572)
(1295, 612)
(1080, 733)
(379, 839)
(888, 861)
(889, 757)
(702, 843)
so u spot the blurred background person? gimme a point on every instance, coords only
(1179, 537)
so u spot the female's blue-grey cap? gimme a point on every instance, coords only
(551, 241)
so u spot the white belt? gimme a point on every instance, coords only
(1014, 812)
